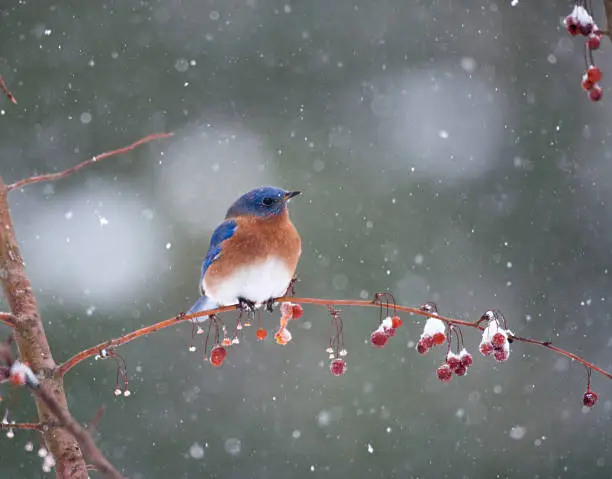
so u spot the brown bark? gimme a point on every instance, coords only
(34, 348)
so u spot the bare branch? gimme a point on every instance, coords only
(21, 425)
(29, 335)
(95, 159)
(90, 450)
(113, 343)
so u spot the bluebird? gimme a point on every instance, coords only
(253, 253)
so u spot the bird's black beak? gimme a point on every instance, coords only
(291, 194)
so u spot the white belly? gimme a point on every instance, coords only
(258, 283)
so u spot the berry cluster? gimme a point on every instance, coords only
(456, 363)
(386, 329)
(222, 340)
(580, 22)
(495, 340)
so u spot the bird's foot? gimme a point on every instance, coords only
(270, 305)
(246, 305)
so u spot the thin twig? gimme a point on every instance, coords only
(95, 159)
(8, 318)
(21, 425)
(6, 91)
(86, 442)
(113, 343)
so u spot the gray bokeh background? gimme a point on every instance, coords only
(446, 152)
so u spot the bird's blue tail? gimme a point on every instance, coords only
(202, 304)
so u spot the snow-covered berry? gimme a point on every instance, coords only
(282, 336)
(587, 84)
(590, 398)
(594, 41)
(499, 339)
(337, 367)
(572, 25)
(387, 327)
(379, 338)
(444, 373)
(422, 348)
(486, 348)
(501, 355)
(435, 331)
(465, 358)
(453, 361)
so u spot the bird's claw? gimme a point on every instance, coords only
(246, 305)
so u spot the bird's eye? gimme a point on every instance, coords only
(268, 201)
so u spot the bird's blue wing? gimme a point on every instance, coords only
(224, 231)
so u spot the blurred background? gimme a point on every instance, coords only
(446, 152)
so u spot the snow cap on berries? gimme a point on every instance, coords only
(387, 326)
(581, 16)
(433, 326)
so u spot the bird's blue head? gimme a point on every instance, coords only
(265, 202)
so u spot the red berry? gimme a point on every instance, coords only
(396, 322)
(501, 355)
(594, 41)
(461, 370)
(428, 341)
(498, 340)
(389, 332)
(587, 84)
(422, 347)
(261, 334)
(571, 25)
(444, 373)
(439, 338)
(453, 362)
(298, 311)
(217, 356)
(585, 28)
(337, 367)
(379, 338)
(590, 398)
(594, 74)
(466, 359)
(596, 93)
(486, 349)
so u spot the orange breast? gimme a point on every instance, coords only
(255, 239)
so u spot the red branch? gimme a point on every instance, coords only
(95, 159)
(113, 343)
(6, 91)
(21, 425)
(8, 318)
